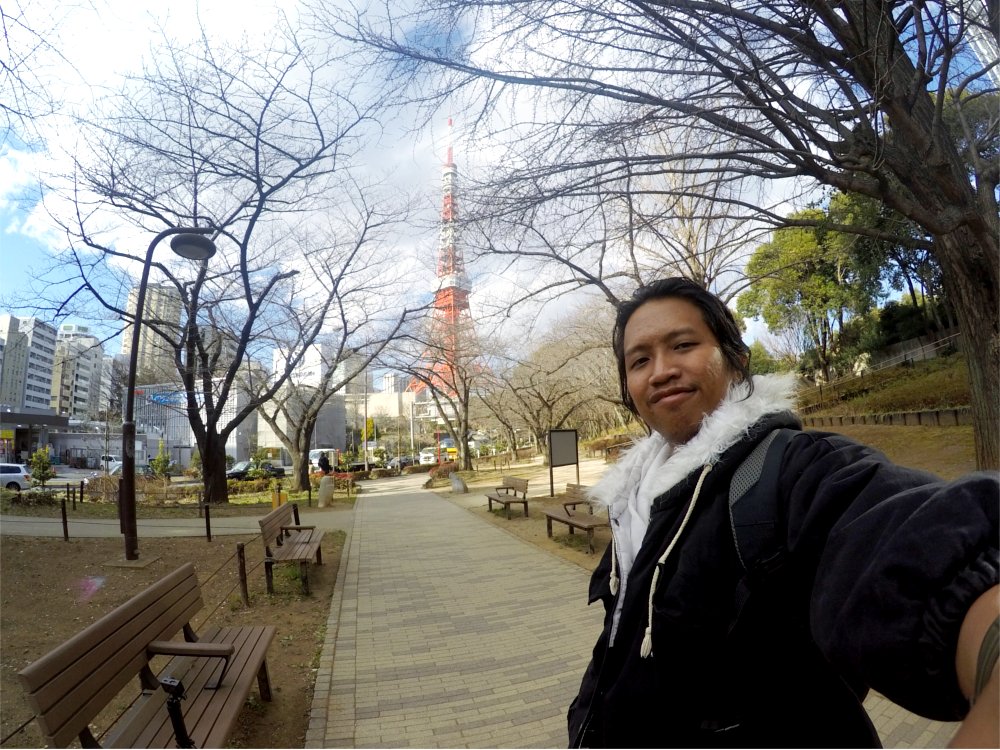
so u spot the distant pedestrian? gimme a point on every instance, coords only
(324, 464)
(326, 482)
(765, 624)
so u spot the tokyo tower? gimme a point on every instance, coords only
(451, 327)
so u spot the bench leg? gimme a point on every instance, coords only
(269, 575)
(525, 504)
(590, 540)
(489, 504)
(304, 575)
(319, 556)
(507, 508)
(548, 526)
(264, 682)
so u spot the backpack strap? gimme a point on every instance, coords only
(753, 503)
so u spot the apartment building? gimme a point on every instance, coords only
(76, 373)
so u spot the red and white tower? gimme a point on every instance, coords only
(451, 326)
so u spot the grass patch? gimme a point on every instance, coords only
(940, 383)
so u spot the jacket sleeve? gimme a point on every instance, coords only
(901, 555)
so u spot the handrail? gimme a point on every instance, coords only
(933, 346)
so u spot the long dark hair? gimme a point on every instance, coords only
(713, 311)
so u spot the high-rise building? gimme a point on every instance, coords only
(161, 309)
(982, 30)
(314, 365)
(76, 373)
(15, 364)
(29, 353)
(114, 372)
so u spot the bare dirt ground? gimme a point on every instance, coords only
(51, 589)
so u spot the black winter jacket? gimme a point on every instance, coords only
(880, 565)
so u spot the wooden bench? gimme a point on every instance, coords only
(575, 520)
(287, 541)
(513, 490)
(576, 494)
(192, 701)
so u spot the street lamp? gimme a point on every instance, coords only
(187, 243)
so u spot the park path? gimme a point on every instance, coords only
(446, 631)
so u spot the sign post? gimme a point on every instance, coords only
(563, 451)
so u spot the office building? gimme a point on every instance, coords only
(161, 309)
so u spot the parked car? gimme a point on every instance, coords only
(240, 470)
(429, 456)
(109, 461)
(15, 476)
(400, 462)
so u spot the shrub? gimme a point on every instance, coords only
(419, 468)
(102, 487)
(344, 479)
(443, 470)
(247, 486)
(160, 464)
(35, 496)
(379, 473)
(41, 467)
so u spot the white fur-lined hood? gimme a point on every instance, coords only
(720, 430)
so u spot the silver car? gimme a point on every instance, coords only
(15, 477)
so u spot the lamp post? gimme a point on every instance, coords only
(188, 243)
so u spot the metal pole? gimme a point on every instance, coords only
(242, 558)
(364, 374)
(127, 507)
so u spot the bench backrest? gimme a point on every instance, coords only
(517, 484)
(270, 525)
(73, 683)
(576, 491)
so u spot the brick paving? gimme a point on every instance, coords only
(446, 631)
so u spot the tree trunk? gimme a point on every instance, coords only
(213, 468)
(971, 280)
(300, 471)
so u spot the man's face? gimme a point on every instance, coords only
(675, 370)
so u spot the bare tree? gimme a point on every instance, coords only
(567, 379)
(257, 144)
(445, 362)
(847, 94)
(28, 30)
(362, 332)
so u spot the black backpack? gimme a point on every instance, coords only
(753, 511)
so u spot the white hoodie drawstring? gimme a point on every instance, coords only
(614, 567)
(647, 641)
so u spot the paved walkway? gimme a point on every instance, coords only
(446, 631)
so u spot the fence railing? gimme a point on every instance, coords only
(819, 396)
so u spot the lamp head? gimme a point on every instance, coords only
(192, 246)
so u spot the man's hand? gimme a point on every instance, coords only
(981, 727)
